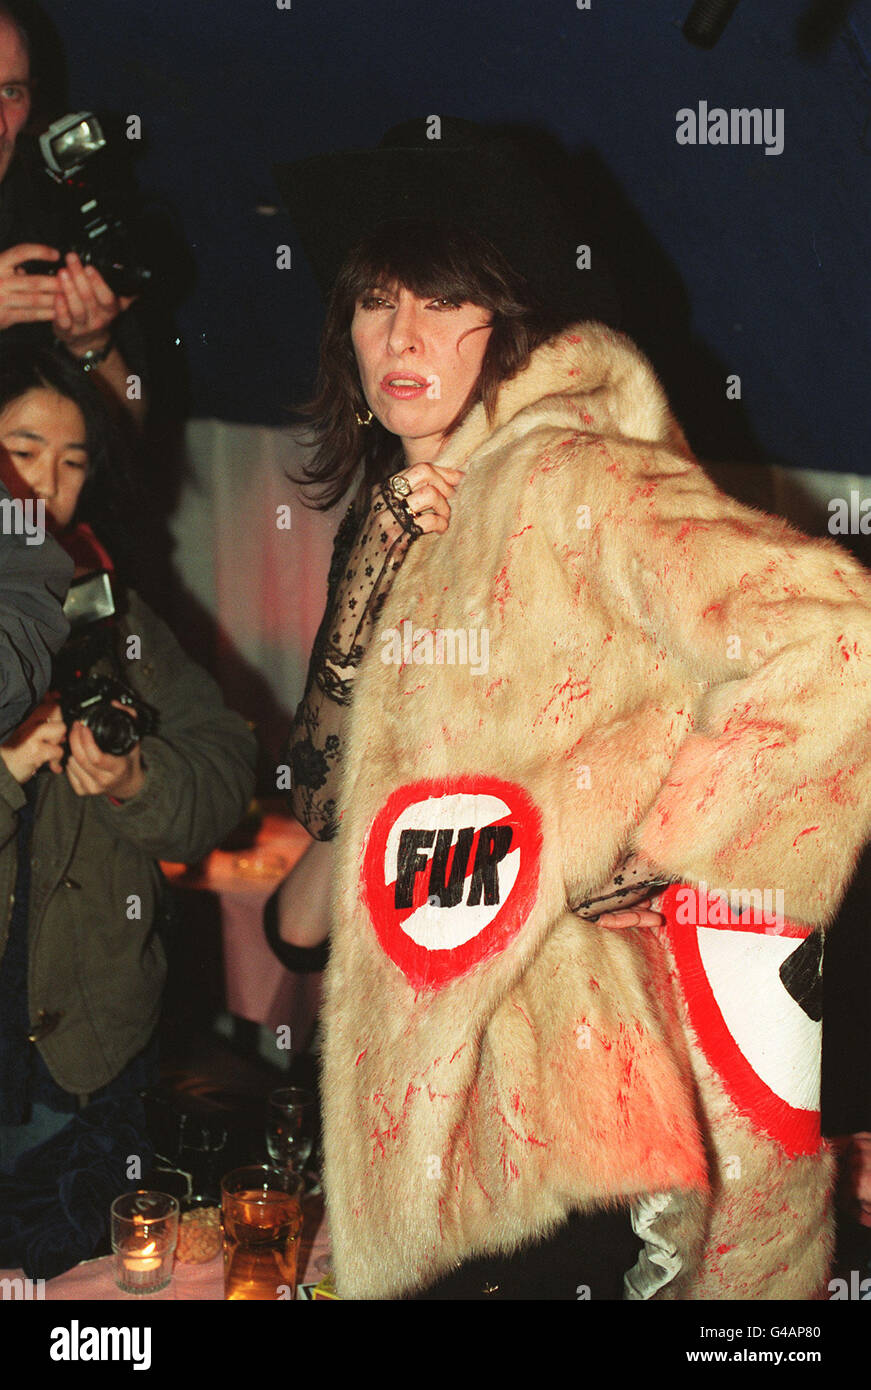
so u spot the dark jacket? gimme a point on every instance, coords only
(96, 964)
(33, 584)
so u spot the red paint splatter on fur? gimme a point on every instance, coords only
(438, 1095)
(502, 589)
(574, 688)
(835, 791)
(688, 527)
(521, 1011)
(809, 831)
(360, 1056)
(521, 1138)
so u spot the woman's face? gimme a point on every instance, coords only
(45, 436)
(418, 360)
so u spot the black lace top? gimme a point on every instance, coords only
(370, 546)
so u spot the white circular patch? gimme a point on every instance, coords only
(774, 1033)
(430, 925)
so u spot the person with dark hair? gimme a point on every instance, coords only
(34, 577)
(85, 813)
(73, 307)
(563, 685)
(447, 269)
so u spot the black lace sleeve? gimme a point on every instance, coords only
(371, 544)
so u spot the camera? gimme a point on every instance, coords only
(89, 700)
(86, 671)
(74, 150)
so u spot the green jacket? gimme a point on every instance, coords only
(96, 965)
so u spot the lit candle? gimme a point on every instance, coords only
(142, 1264)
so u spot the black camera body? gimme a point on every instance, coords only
(86, 671)
(89, 700)
(93, 227)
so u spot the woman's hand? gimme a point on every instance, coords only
(640, 915)
(39, 739)
(85, 308)
(91, 772)
(625, 901)
(26, 298)
(429, 500)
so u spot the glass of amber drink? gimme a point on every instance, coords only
(262, 1218)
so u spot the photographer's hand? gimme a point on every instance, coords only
(92, 772)
(38, 740)
(85, 308)
(26, 298)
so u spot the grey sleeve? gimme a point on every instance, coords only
(34, 578)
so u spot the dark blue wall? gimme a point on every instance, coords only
(732, 261)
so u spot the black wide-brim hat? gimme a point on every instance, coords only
(454, 172)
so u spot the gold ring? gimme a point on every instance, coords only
(399, 485)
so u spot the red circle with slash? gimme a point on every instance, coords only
(755, 1035)
(450, 874)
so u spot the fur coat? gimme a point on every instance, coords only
(602, 654)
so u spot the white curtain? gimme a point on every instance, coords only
(258, 587)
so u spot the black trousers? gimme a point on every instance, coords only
(585, 1259)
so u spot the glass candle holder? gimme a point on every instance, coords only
(144, 1237)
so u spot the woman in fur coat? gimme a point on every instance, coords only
(579, 673)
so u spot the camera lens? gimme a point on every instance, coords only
(114, 731)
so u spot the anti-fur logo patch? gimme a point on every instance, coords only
(450, 873)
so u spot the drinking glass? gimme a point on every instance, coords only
(290, 1128)
(262, 1218)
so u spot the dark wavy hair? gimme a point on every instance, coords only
(110, 500)
(429, 259)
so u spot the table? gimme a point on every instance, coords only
(94, 1280)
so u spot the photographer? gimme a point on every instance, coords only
(74, 306)
(82, 966)
(33, 582)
